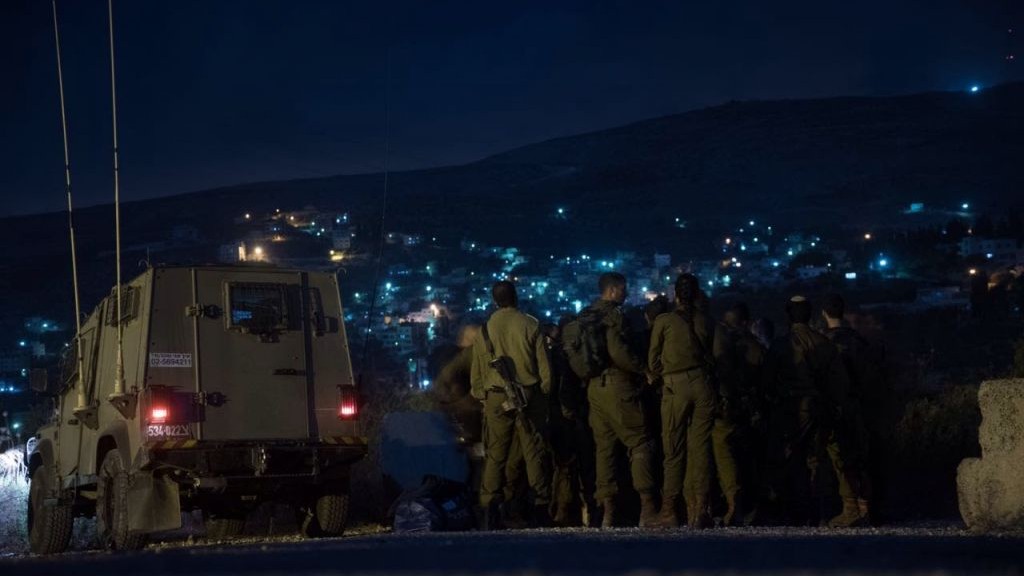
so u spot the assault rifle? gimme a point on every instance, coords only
(515, 394)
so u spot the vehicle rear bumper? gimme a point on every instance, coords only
(217, 464)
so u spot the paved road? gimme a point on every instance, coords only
(565, 552)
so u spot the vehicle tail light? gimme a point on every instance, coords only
(348, 406)
(158, 414)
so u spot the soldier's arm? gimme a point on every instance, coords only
(657, 344)
(476, 379)
(543, 362)
(621, 353)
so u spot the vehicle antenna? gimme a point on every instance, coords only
(119, 367)
(79, 362)
(383, 213)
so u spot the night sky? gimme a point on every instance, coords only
(214, 93)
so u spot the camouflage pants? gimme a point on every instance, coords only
(687, 406)
(617, 416)
(499, 430)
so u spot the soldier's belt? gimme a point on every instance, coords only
(678, 376)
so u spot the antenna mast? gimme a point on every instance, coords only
(118, 393)
(79, 362)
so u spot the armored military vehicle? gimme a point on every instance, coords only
(237, 389)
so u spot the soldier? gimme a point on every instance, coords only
(454, 388)
(572, 444)
(511, 335)
(864, 427)
(739, 358)
(680, 354)
(615, 410)
(806, 376)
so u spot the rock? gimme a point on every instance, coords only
(991, 488)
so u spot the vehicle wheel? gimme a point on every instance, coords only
(112, 506)
(326, 518)
(223, 526)
(49, 527)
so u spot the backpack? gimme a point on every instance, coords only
(586, 344)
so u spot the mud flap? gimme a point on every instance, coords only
(153, 504)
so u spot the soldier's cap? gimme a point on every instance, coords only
(798, 298)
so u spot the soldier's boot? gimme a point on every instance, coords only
(700, 519)
(541, 516)
(491, 519)
(608, 521)
(590, 513)
(734, 514)
(865, 511)
(563, 515)
(850, 517)
(648, 511)
(669, 515)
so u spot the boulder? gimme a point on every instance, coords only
(991, 488)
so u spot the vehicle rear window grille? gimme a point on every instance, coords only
(257, 307)
(129, 305)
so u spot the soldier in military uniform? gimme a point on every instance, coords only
(616, 414)
(515, 336)
(865, 427)
(806, 377)
(739, 358)
(680, 354)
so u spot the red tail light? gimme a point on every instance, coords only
(158, 415)
(348, 407)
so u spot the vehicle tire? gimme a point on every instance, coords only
(222, 526)
(326, 518)
(49, 527)
(112, 506)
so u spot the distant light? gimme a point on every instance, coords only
(743, 247)
(751, 222)
(22, 343)
(882, 263)
(867, 236)
(965, 206)
(728, 240)
(973, 271)
(577, 306)
(425, 383)
(247, 216)
(851, 275)
(813, 244)
(975, 88)
(561, 211)
(739, 264)
(775, 264)
(16, 425)
(988, 255)
(46, 325)
(429, 288)
(789, 252)
(388, 286)
(711, 282)
(547, 313)
(755, 238)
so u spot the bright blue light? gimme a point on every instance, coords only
(22, 343)
(988, 255)
(775, 264)
(547, 313)
(388, 286)
(751, 222)
(965, 206)
(882, 263)
(851, 275)
(425, 383)
(975, 88)
(561, 211)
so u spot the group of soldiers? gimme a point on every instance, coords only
(707, 401)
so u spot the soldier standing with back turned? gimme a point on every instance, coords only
(512, 335)
(680, 353)
(807, 377)
(616, 413)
